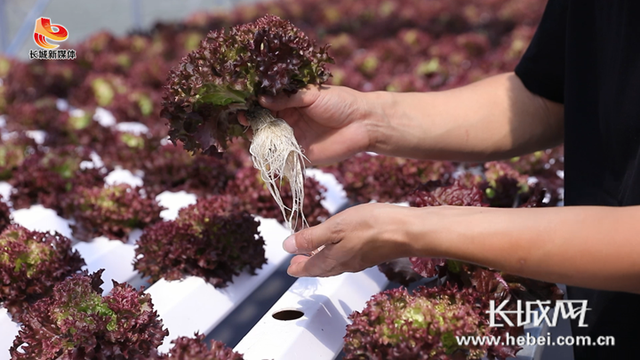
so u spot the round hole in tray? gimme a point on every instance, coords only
(286, 315)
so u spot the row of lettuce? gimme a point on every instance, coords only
(398, 45)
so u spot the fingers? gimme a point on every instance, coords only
(242, 118)
(300, 267)
(302, 98)
(307, 240)
(313, 266)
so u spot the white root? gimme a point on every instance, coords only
(276, 153)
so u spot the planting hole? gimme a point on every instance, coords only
(286, 315)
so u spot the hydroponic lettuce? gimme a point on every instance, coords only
(77, 322)
(50, 177)
(27, 82)
(367, 177)
(504, 186)
(194, 348)
(112, 211)
(136, 105)
(170, 168)
(229, 70)
(227, 73)
(495, 284)
(79, 128)
(252, 195)
(173, 169)
(13, 151)
(129, 150)
(41, 114)
(540, 163)
(105, 53)
(153, 71)
(490, 284)
(127, 102)
(547, 167)
(5, 215)
(502, 286)
(210, 239)
(423, 325)
(436, 193)
(98, 90)
(31, 263)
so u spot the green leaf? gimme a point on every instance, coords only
(103, 91)
(222, 95)
(454, 266)
(145, 104)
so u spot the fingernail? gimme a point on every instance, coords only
(266, 99)
(290, 274)
(289, 244)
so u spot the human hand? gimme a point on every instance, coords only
(353, 240)
(329, 122)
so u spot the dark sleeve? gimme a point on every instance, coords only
(542, 66)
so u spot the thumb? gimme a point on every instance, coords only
(306, 240)
(302, 98)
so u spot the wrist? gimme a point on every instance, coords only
(444, 231)
(393, 226)
(418, 231)
(373, 116)
(421, 235)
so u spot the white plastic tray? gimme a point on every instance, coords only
(323, 305)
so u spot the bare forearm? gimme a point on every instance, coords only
(492, 119)
(595, 247)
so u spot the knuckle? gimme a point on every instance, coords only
(305, 240)
(337, 230)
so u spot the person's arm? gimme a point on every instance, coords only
(588, 246)
(594, 247)
(492, 119)
(495, 118)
